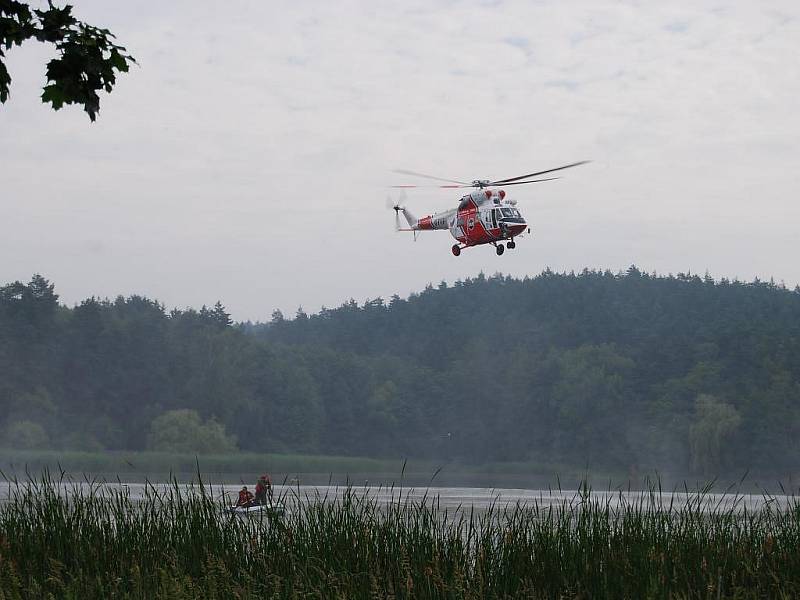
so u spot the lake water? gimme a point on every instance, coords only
(452, 498)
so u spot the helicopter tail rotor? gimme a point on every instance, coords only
(398, 207)
(392, 205)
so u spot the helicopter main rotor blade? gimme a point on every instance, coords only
(510, 179)
(415, 174)
(430, 186)
(529, 181)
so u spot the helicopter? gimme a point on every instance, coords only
(483, 216)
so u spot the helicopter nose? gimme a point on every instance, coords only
(516, 228)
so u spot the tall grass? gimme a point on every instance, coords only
(91, 540)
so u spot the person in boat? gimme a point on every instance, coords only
(245, 498)
(264, 489)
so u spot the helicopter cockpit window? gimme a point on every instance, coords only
(511, 212)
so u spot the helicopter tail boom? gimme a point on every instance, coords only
(412, 221)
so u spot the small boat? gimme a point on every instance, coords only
(273, 509)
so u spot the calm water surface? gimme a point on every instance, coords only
(452, 498)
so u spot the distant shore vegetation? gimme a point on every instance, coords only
(304, 469)
(620, 372)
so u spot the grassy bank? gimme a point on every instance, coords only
(145, 463)
(311, 469)
(99, 543)
(341, 470)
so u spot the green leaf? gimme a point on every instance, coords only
(118, 61)
(55, 95)
(5, 82)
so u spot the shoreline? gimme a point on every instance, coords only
(292, 469)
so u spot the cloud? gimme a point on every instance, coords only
(247, 158)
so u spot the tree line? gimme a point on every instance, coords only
(625, 371)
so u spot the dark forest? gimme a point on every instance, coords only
(621, 371)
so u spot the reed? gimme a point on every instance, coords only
(90, 540)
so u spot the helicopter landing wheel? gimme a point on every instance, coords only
(511, 245)
(456, 249)
(500, 249)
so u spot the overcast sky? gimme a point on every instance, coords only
(247, 159)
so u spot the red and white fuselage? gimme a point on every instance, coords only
(483, 217)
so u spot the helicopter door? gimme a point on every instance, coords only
(458, 230)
